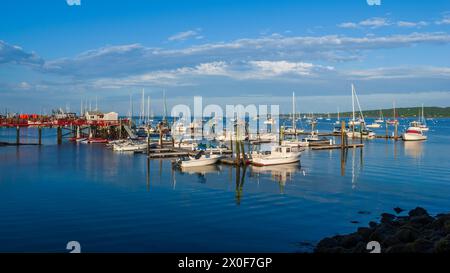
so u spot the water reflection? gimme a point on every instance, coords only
(413, 149)
(278, 173)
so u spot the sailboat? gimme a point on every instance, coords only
(393, 121)
(421, 123)
(293, 129)
(381, 118)
(338, 121)
(361, 132)
(328, 117)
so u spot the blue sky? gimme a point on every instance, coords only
(54, 55)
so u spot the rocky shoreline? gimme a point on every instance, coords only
(418, 232)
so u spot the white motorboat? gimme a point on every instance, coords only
(131, 146)
(277, 156)
(414, 134)
(374, 125)
(200, 159)
(295, 143)
(367, 134)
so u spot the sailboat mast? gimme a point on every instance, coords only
(339, 116)
(165, 106)
(353, 102)
(293, 111)
(148, 109)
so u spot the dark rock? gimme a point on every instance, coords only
(327, 243)
(443, 245)
(400, 248)
(351, 240)
(387, 218)
(365, 232)
(398, 210)
(422, 246)
(418, 212)
(360, 248)
(364, 212)
(407, 235)
(390, 241)
(446, 226)
(421, 220)
(381, 232)
(373, 224)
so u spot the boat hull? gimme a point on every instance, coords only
(413, 137)
(199, 162)
(267, 161)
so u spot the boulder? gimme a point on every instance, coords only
(443, 245)
(417, 212)
(407, 235)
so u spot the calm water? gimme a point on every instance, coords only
(113, 202)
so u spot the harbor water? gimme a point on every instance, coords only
(119, 202)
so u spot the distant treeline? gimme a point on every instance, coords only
(430, 112)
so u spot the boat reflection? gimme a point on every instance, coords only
(278, 173)
(201, 170)
(413, 149)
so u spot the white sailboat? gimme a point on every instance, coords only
(293, 129)
(381, 118)
(361, 132)
(338, 121)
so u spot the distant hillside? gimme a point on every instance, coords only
(430, 112)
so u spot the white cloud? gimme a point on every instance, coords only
(348, 25)
(444, 21)
(181, 36)
(73, 2)
(399, 73)
(412, 24)
(136, 59)
(374, 22)
(377, 22)
(15, 54)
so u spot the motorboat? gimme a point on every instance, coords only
(414, 134)
(374, 125)
(364, 133)
(279, 154)
(202, 158)
(132, 146)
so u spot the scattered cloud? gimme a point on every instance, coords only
(378, 22)
(399, 73)
(135, 59)
(444, 21)
(412, 24)
(16, 55)
(182, 36)
(374, 22)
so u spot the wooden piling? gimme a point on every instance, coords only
(40, 135)
(17, 135)
(396, 130)
(343, 134)
(59, 135)
(387, 130)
